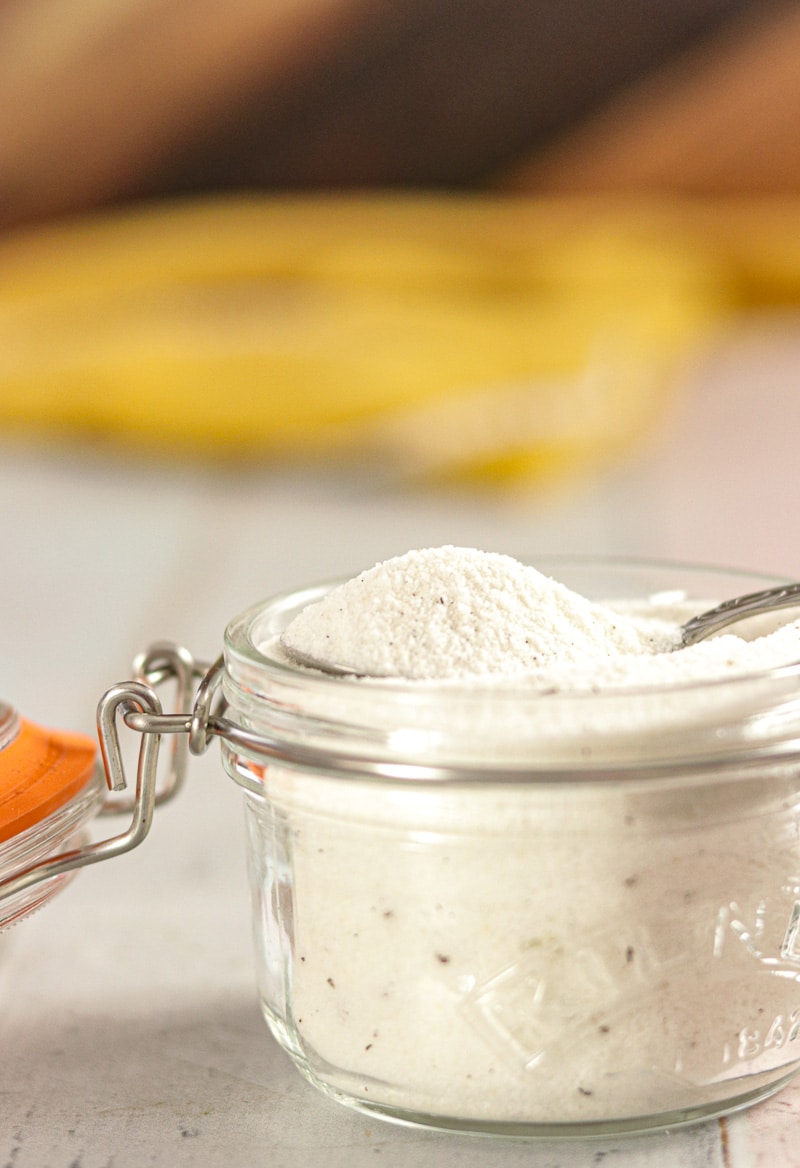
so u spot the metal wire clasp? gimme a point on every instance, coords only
(189, 726)
(160, 664)
(195, 722)
(136, 704)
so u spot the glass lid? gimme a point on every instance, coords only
(40, 771)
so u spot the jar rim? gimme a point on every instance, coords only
(426, 731)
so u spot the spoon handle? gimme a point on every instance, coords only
(768, 600)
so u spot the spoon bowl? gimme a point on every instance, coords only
(308, 661)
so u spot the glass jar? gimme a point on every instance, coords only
(496, 910)
(484, 908)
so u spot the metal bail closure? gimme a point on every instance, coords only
(120, 701)
(162, 661)
(136, 705)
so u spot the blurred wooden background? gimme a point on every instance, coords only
(109, 100)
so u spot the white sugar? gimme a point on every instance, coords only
(457, 613)
(453, 612)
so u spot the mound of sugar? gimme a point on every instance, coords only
(454, 612)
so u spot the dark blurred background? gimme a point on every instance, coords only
(109, 100)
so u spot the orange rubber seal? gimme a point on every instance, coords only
(40, 771)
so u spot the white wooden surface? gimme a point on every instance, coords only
(129, 1032)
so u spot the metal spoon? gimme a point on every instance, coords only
(307, 661)
(694, 630)
(752, 604)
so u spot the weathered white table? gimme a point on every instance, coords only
(129, 1031)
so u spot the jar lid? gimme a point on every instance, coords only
(51, 785)
(40, 771)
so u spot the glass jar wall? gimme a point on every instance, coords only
(483, 908)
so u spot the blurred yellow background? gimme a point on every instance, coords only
(453, 240)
